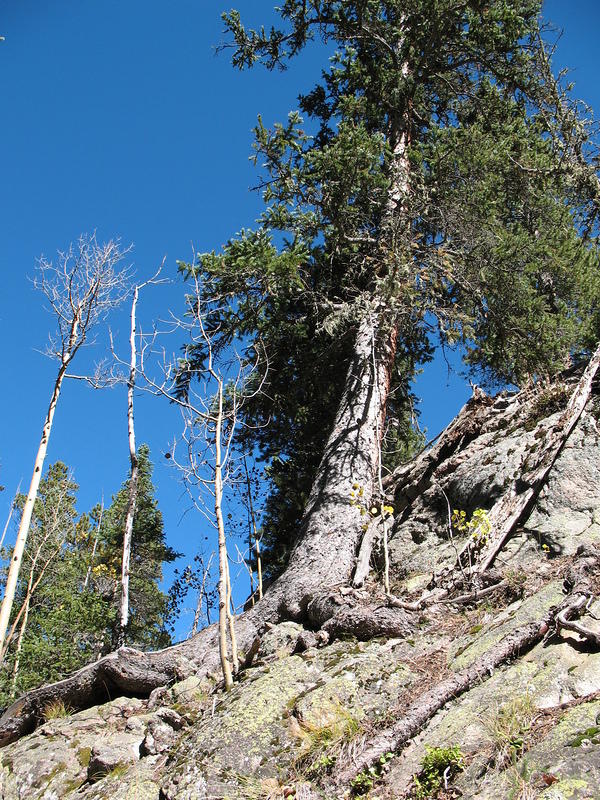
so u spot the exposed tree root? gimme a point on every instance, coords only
(517, 642)
(125, 672)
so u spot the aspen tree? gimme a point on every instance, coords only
(81, 288)
(210, 397)
(133, 460)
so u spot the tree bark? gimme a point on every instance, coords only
(21, 541)
(331, 527)
(133, 479)
(223, 566)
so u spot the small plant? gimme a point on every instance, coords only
(366, 780)
(322, 736)
(478, 527)
(56, 710)
(509, 727)
(516, 580)
(438, 767)
(522, 783)
(357, 499)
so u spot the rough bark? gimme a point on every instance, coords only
(331, 527)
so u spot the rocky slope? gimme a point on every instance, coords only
(301, 719)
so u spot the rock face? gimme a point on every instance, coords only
(306, 707)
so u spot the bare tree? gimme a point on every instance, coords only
(210, 404)
(81, 288)
(134, 475)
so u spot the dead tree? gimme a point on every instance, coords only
(133, 460)
(210, 405)
(81, 288)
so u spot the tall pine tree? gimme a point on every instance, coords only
(446, 196)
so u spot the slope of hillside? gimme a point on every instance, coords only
(482, 684)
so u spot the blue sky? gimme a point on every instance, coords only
(119, 117)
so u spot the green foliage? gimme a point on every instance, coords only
(71, 573)
(438, 766)
(367, 778)
(478, 527)
(149, 606)
(322, 735)
(65, 626)
(492, 245)
(508, 728)
(56, 710)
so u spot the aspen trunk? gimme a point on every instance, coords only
(15, 675)
(133, 480)
(223, 566)
(19, 549)
(10, 514)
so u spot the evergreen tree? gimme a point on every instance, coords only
(446, 195)
(149, 606)
(56, 625)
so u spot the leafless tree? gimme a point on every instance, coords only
(81, 288)
(133, 459)
(210, 406)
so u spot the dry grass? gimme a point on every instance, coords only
(56, 710)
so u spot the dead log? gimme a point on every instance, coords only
(519, 641)
(513, 506)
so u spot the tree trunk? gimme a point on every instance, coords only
(21, 541)
(223, 567)
(10, 513)
(133, 480)
(15, 675)
(331, 528)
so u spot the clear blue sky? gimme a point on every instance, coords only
(119, 117)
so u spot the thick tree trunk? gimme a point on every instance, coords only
(331, 528)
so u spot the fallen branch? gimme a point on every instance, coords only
(512, 507)
(476, 594)
(417, 715)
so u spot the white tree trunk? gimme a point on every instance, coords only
(133, 480)
(223, 566)
(19, 549)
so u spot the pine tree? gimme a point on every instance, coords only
(56, 626)
(149, 605)
(443, 197)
